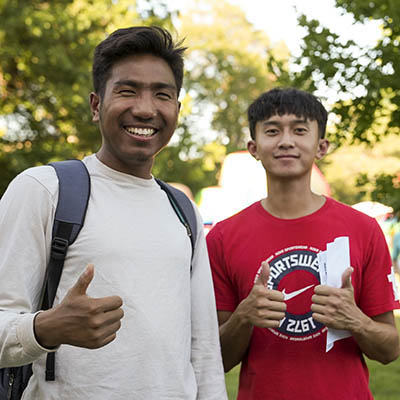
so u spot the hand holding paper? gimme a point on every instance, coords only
(333, 301)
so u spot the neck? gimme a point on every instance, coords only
(136, 167)
(290, 199)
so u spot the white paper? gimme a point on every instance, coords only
(332, 263)
(338, 260)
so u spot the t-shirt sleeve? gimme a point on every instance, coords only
(225, 295)
(378, 289)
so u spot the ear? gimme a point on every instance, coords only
(94, 101)
(323, 146)
(252, 148)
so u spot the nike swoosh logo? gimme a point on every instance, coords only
(288, 296)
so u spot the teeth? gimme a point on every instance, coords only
(141, 131)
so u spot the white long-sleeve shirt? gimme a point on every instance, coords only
(168, 344)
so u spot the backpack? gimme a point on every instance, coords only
(68, 221)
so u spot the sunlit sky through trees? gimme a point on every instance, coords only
(279, 21)
(278, 18)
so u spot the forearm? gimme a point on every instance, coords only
(235, 335)
(377, 340)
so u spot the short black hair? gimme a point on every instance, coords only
(136, 40)
(280, 101)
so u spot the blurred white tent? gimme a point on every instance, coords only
(381, 213)
(373, 208)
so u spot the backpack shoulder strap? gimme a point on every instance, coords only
(73, 198)
(183, 208)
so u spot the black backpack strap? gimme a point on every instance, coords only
(73, 198)
(183, 208)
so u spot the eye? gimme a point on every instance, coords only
(271, 131)
(300, 130)
(127, 92)
(164, 95)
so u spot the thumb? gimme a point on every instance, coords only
(346, 278)
(83, 281)
(263, 277)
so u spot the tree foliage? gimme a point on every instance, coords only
(386, 189)
(365, 78)
(352, 171)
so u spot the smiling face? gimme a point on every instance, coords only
(137, 114)
(287, 146)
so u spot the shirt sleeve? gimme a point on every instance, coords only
(206, 351)
(25, 226)
(378, 289)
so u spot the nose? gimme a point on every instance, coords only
(144, 107)
(286, 140)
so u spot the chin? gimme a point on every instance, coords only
(287, 175)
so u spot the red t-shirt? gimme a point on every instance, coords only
(291, 362)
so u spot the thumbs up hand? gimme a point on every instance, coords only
(263, 307)
(336, 307)
(80, 320)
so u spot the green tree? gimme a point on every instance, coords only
(367, 75)
(385, 189)
(352, 171)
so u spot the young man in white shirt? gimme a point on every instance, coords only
(131, 319)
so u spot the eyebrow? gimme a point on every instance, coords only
(139, 85)
(277, 123)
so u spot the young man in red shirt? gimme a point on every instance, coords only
(273, 312)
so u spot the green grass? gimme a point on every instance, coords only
(384, 379)
(231, 380)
